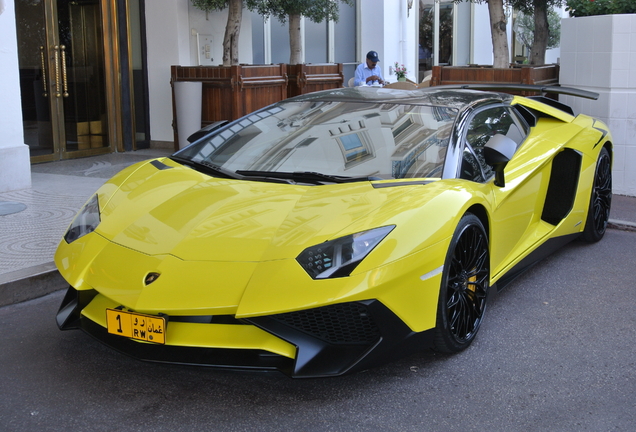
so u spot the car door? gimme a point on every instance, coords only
(517, 206)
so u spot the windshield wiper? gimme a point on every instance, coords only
(269, 176)
(218, 171)
(207, 167)
(304, 176)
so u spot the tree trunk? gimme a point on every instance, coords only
(232, 31)
(541, 33)
(498, 23)
(296, 49)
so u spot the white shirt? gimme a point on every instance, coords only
(363, 72)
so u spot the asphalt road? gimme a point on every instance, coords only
(556, 353)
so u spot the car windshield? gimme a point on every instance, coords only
(344, 140)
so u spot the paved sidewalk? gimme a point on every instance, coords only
(29, 237)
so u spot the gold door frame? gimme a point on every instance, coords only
(112, 66)
(114, 84)
(116, 56)
(131, 85)
(51, 63)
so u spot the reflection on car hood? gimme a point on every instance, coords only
(192, 216)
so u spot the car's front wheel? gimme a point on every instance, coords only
(464, 290)
(600, 201)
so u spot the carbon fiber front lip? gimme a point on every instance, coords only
(316, 357)
(194, 356)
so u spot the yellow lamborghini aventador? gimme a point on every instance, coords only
(336, 230)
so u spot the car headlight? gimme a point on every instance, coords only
(85, 221)
(338, 258)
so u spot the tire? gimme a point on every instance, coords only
(464, 290)
(600, 200)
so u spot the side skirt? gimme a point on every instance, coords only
(535, 256)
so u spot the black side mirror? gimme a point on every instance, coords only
(498, 151)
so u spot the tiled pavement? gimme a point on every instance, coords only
(28, 238)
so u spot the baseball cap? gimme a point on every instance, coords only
(373, 56)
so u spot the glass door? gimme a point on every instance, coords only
(62, 78)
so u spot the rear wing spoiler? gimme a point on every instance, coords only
(570, 91)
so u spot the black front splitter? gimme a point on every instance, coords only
(316, 356)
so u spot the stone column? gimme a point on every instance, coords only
(15, 166)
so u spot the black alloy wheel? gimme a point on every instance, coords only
(464, 291)
(600, 200)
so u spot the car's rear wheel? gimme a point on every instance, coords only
(600, 201)
(464, 290)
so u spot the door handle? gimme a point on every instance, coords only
(60, 51)
(56, 50)
(45, 94)
(64, 80)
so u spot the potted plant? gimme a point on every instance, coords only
(400, 71)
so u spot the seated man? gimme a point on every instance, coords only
(369, 73)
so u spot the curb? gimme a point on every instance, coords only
(621, 225)
(30, 283)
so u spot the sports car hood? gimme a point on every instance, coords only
(175, 210)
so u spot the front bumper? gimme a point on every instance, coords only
(325, 341)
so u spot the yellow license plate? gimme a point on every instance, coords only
(136, 326)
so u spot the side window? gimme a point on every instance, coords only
(471, 168)
(484, 125)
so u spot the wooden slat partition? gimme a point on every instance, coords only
(230, 92)
(307, 78)
(536, 75)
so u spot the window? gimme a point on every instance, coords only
(353, 148)
(401, 128)
(485, 124)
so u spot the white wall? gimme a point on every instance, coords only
(599, 54)
(167, 43)
(482, 40)
(387, 29)
(410, 43)
(553, 56)
(172, 26)
(214, 24)
(371, 33)
(15, 166)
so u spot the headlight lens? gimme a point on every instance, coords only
(338, 258)
(85, 222)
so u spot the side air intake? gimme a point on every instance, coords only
(564, 179)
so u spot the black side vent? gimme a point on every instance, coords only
(564, 179)
(530, 116)
(345, 323)
(159, 165)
